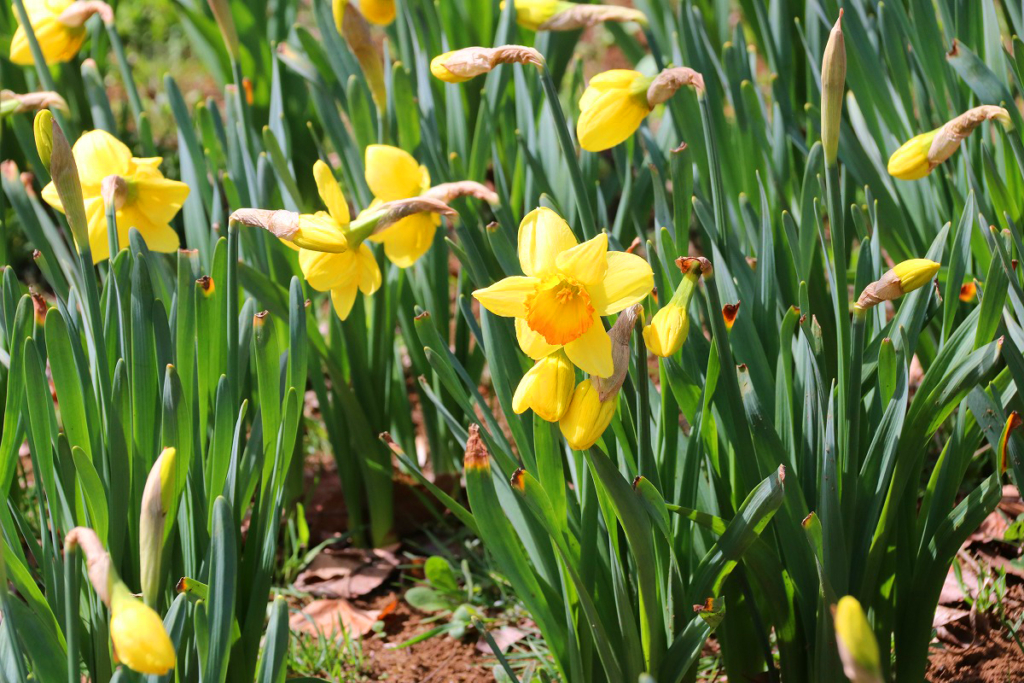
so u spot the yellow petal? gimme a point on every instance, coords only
(532, 13)
(323, 270)
(369, 271)
(343, 298)
(543, 235)
(99, 154)
(51, 197)
(910, 161)
(915, 273)
(408, 239)
(380, 12)
(507, 297)
(532, 343)
(393, 173)
(560, 310)
(96, 220)
(330, 192)
(159, 237)
(585, 262)
(320, 232)
(613, 79)
(611, 118)
(592, 352)
(628, 280)
(159, 198)
(546, 388)
(667, 331)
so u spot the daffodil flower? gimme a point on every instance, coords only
(145, 199)
(920, 155)
(559, 15)
(380, 12)
(546, 388)
(616, 102)
(565, 289)
(59, 27)
(391, 174)
(346, 273)
(139, 637)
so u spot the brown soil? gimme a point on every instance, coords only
(995, 659)
(435, 660)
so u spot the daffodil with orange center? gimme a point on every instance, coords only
(565, 289)
(146, 200)
(346, 273)
(391, 174)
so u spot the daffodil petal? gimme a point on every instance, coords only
(323, 270)
(543, 235)
(532, 343)
(507, 297)
(159, 236)
(610, 119)
(99, 154)
(592, 352)
(380, 12)
(392, 173)
(628, 280)
(51, 197)
(369, 278)
(330, 192)
(585, 262)
(408, 239)
(343, 298)
(613, 79)
(160, 198)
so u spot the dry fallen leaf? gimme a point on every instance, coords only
(505, 637)
(329, 617)
(347, 573)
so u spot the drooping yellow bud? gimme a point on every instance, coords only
(921, 154)
(902, 279)
(458, 66)
(667, 331)
(157, 506)
(546, 388)
(140, 639)
(858, 649)
(557, 15)
(833, 84)
(910, 161)
(380, 12)
(588, 416)
(318, 232)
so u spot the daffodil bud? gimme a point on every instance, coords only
(858, 649)
(352, 26)
(459, 66)
(667, 331)
(902, 279)
(594, 400)
(833, 84)
(558, 15)
(43, 128)
(318, 232)
(59, 27)
(140, 639)
(588, 416)
(919, 156)
(546, 388)
(155, 521)
(379, 218)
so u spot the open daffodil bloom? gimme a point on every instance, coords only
(393, 173)
(565, 289)
(346, 273)
(145, 200)
(59, 27)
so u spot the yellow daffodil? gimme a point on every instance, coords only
(902, 279)
(546, 388)
(588, 416)
(858, 648)
(380, 12)
(565, 289)
(344, 273)
(920, 155)
(612, 108)
(616, 102)
(393, 173)
(145, 200)
(59, 39)
(139, 637)
(558, 15)
(458, 66)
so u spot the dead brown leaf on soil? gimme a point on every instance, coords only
(332, 617)
(348, 572)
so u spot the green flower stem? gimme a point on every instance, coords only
(851, 464)
(717, 191)
(231, 314)
(647, 466)
(586, 211)
(840, 300)
(112, 241)
(71, 625)
(134, 101)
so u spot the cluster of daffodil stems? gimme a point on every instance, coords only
(676, 377)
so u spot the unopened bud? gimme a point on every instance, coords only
(43, 128)
(669, 81)
(81, 11)
(858, 648)
(902, 279)
(158, 499)
(833, 84)
(459, 66)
